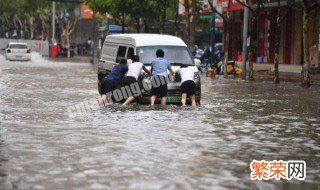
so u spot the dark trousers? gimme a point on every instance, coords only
(108, 85)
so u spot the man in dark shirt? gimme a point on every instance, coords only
(112, 80)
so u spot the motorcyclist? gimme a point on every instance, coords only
(206, 56)
(198, 54)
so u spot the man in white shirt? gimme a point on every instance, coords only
(188, 86)
(134, 70)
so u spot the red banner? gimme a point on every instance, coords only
(234, 5)
(229, 5)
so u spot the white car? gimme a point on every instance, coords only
(17, 51)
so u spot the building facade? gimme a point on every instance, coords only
(291, 47)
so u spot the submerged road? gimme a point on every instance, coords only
(207, 147)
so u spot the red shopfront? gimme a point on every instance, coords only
(235, 10)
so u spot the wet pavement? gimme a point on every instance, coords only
(207, 147)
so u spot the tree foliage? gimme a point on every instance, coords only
(30, 19)
(132, 11)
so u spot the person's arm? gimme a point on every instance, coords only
(146, 70)
(125, 70)
(170, 69)
(151, 67)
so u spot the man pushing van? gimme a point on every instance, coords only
(111, 81)
(159, 67)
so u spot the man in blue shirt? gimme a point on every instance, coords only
(110, 82)
(159, 67)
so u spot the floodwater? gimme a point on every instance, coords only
(207, 147)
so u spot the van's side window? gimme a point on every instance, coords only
(109, 52)
(121, 53)
(130, 53)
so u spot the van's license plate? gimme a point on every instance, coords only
(174, 99)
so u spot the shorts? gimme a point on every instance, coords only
(127, 81)
(188, 87)
(159, 86)
(108, 86)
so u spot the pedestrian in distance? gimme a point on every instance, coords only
(90, 46)
(134, 70)
(159, 69)
(110, 82)
(188, 86)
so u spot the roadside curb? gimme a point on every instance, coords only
(287, 77)
(76, 59)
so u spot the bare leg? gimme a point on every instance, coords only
(164, 101)
(183, 99)
(103, 100)
(128, 101)
(153, 99)
(193, 100)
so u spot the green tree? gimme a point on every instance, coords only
(69, 16)
(162, 5)
(8, 11)
(25, 15)
(277, 20)
(99, 6)
(308, 6)
(118, 9)
(254, 35)
(226, 27)
(33, 13)
(137, 10)
(142, 11)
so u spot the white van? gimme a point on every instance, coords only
(125, 46)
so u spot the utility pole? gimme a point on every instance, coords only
(53, 20)
(187, 12)
(192, 24)
(212, 36)
(94, 36)
(244, 44)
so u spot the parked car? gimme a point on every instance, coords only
(124, 46)
(17, 51)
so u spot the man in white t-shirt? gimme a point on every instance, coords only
(134, 70)
(188, 86)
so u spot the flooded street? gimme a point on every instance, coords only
(207, 147)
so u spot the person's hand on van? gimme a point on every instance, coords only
(147, 71)
(129, 61)
(172, 72)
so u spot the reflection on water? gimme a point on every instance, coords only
(143, 147)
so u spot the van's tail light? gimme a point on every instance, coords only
(28, 51)
(8, 51)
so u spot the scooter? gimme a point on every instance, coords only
(231, 67)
